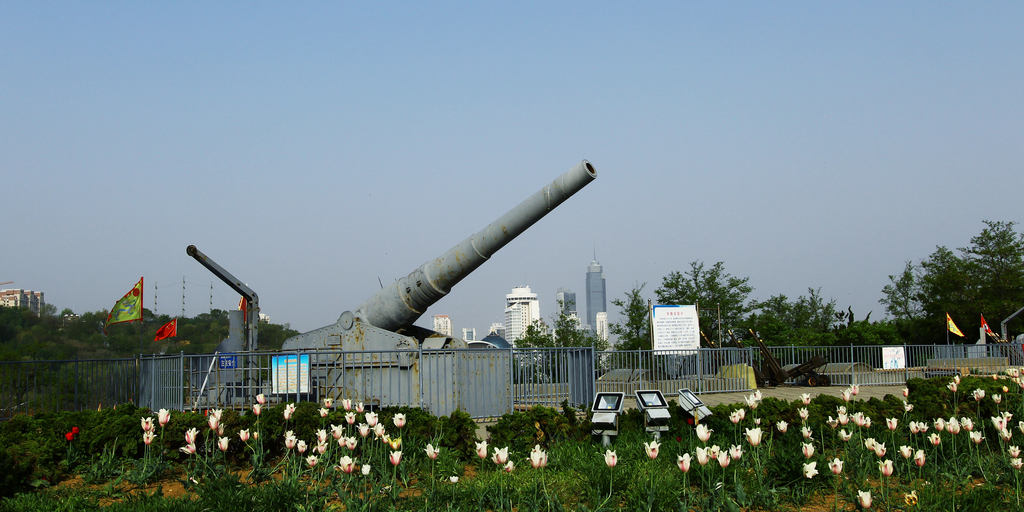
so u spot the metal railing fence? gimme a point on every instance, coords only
(482, 382)
(33, 387)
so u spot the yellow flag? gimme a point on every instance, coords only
(951, 327)
(128, 309)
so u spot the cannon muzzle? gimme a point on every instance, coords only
(402, 302)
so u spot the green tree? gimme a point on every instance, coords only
(808, 320)
(634, 333)
(711, 289)
(567, 331)
(535, 336)
(986, 278)
(995, 264)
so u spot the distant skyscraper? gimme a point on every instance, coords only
(602, 325)
(443, 324)
(567, 300)
(596, 298)
(521, 309)
(469, 333)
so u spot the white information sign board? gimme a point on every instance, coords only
(290, 373)
(675, 327)
(894, 358)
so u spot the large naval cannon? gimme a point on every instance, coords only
(374, 353)
(385, 320)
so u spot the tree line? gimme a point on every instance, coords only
(984, 278)
(50, 336)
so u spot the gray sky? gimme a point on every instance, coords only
(311, 149)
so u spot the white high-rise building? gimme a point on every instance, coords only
(469, 333)
(443, 325)
(522, 308)
(602, 325)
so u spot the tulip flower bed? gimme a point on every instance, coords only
(946, 444)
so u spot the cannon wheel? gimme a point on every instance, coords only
(812, 380)
(825, 381)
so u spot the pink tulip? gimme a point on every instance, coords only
(371, 419)
(906, 393)
(346, 404)
(260, 399)
(684, 463)
(735, 452)
(432, 452)
(350, 418)
(509, 466)
(364, 430)
(147, 424)
(243, 435)
(328, 402)
(190, 436)
(919, 458)
(610, 458)
(346, 465)
(808, 450)
(147, 437)
(222, 444)
(885, 467)
(301, 446)
(324, 412)
(163, 417)
(754, 434)
(1014, 451)
(257, 409)
(188, 449)
(500, 456)
(703, 433)
(723, 459)
(864, 498)
(360, 408)
(806, 398)
(1016, 463)
(481, 449)
(289, 409)
(395, 458)
(891, 423)
(399, 420)
(538, 457)
(934, 439)
(652, 449)
(311, 460)
(836, 466)
(703, 457)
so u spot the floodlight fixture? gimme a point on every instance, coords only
(692, 405)
(606, 409)
(652, 403)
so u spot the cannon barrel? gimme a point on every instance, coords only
(402, 302)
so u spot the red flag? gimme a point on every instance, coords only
(984, 325)
(169, 330)
(243, 307)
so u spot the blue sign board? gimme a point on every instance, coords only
(227, 361)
